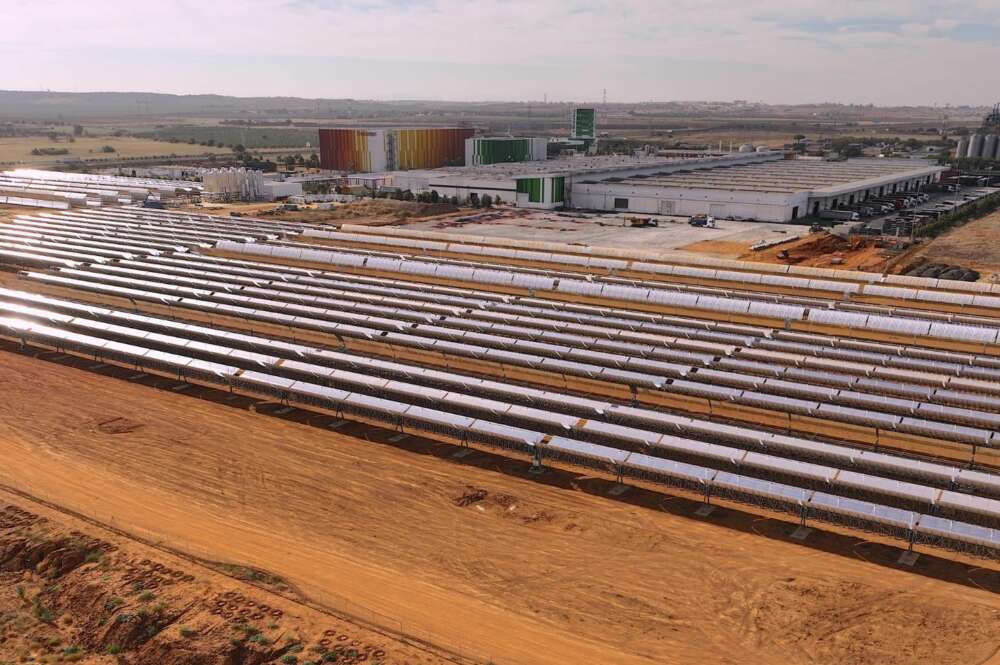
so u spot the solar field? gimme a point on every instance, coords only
(857, 400)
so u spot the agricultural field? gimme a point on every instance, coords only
(18, 149)
(251, 137)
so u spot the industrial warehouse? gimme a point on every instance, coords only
(762, 186)
(758, 185)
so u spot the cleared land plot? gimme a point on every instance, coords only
(71, 589)
(471, 551)
(973, 245)
(19, 149)
(601, 230)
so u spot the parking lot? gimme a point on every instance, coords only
(905, 221)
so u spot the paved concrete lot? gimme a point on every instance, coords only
(606, 230)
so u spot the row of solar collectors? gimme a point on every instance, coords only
(159, 220)
(670, 257)
(18, 200)
(604, 318)
(173, 217)
(563, 362)
(76, 195)
(742, 293)
(96, 240)
(104, 193)
(677, 259)
(774, 362)
(945, 507)
(545, 278)
(867, 378)
(736, 307)
(105, 179)
(162, 241)
(837, 289)
(194, 230)
(71, 222)
(220, 345)
(850, 360)
(302, 252)
(102, 248)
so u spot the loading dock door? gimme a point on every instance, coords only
(666, 207)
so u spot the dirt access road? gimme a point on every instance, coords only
(474, 553)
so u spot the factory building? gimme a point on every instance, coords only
(484, 150)
(544, 184)
(772, 190)
(381, 150)
(763, 186)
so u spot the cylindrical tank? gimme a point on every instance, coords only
(746, 147)
(763, 148)
(996, 153)
(975, 145)
(989, 146)
(963, 147)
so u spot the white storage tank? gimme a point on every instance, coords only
(962, 149)
(989, 147)
(975, 145)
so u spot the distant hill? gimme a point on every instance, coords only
(66, 105)
(83, 106)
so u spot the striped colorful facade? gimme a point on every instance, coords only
(345, 150)
(375, 151)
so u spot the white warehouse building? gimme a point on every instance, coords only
(764, 186)
(777, 190)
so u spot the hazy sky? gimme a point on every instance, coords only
(878, 51)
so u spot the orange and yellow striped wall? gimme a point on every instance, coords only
(366, 151)
(344, 150)
(430, 148)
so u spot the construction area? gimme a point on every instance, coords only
(294, 399)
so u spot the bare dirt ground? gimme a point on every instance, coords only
(71, 591)
(823, 250)
(819, 250)
(374, 212)
(9, 212)
(475, 554)
(973, 245)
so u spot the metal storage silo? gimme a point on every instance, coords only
(975, 145)
(746, 147)
(989, 146)
(963, 148)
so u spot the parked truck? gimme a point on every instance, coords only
(841, 215)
